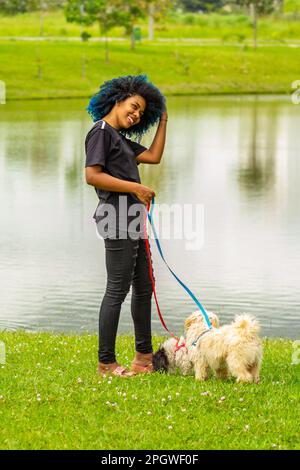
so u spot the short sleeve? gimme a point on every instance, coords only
(136, 147)
(97, 147)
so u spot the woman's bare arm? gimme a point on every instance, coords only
(155, 152)
(95, 176)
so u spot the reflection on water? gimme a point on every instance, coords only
(238, 156)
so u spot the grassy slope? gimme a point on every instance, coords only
(51, 398)
(176, 69)
(224, 27)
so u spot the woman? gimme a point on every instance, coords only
(124, 107)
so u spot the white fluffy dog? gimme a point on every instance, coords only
(231, 350)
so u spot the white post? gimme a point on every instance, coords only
(2, 353)
(2, 92)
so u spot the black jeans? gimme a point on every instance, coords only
(127, 265)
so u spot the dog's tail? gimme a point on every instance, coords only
(247, 324)
(160, 361)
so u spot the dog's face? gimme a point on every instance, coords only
(197, 317)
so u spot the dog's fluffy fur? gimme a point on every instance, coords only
(231, 350)
(167, 359)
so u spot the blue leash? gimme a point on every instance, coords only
(209, 325)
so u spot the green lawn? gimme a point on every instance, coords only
(55, 69)
(52, 398)
(233, 27)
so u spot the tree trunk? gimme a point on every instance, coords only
(132, 40)
(106, 49)
(278, 5)
(83, 69)
(254, 23)
(41, 19)
(151, 10)
(39, 64)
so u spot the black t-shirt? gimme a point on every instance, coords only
(105, 146)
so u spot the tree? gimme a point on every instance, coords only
(201, 5)
(13, 7)
(156, 11)
(262, 7)
(256, 8)
(107, 13)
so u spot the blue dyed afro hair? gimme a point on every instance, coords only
(118, 89)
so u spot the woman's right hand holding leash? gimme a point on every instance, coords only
(144, 193)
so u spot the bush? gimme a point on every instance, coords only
(85, 36)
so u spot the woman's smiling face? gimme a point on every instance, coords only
(130, 111)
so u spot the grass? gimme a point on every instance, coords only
(55, 69)
(232, 27)
(51, 398)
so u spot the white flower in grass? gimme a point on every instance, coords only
(149, 413)
(222, 398)
(241, 399)
(183, 410)
(107, 403)
(274, 445)
(177, 394)
(169, 417)
(246, 428)
(94, 389)
(79, 380)
(1, 397)
(169, 397)
(205, 394)
(170, 427)
(163, 399)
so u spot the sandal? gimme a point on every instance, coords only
(141, 369)
(118, 371)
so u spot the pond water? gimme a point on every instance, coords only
(236, 156)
